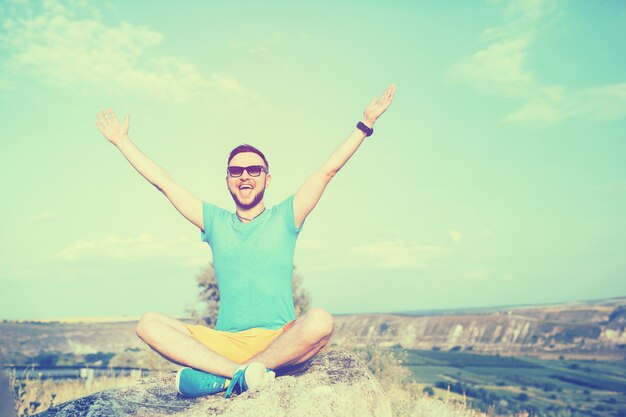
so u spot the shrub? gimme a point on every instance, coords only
(46, 359)
(105, 358)
(383, 328)
(209, 296)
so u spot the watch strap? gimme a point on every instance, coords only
(363, 127)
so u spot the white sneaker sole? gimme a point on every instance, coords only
(256, 375)
(178, 379)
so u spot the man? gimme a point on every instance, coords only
(256, 331)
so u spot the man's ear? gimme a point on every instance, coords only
(268, 179)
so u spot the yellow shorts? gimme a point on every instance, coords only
(236, 346)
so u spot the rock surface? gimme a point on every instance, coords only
(597, 331)
(333, 383)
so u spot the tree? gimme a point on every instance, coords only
(209, 296)
(301, 298)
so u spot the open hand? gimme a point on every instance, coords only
(110, 127)
(378, 107)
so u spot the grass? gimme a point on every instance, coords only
(392, 368)
(34, 395)
(542, 387)
(495, 385)
(408, 398)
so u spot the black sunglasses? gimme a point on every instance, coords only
(253, 170)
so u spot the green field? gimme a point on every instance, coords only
(514, 384)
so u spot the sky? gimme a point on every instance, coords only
(496, 176)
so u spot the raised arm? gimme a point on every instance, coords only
(186, 203)
(312, 189)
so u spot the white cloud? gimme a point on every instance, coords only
(553, 104)
(197, 262)
(455, 235)
(604, 102)
(529, 11)
(538, 112)
(76, 261)
(497, 69)
(41, 217)
(478, 273)
(310, 245)
(484, 274)
(72, 47)
(263, 47)
(396, 254)
(507, 277)
(501, 69)
(386, 254)
(143, 247)
(226, 84)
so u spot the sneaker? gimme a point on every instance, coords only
(249, 377)
(193, 383)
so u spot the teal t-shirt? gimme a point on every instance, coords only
(253, 265)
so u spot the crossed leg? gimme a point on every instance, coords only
(172, 340)
(308, 335)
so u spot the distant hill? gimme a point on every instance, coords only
(607, 302)
(585, 329)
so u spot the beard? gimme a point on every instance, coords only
(247, 206)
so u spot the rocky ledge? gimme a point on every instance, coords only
(334, 383)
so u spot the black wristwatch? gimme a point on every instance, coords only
(363, 127)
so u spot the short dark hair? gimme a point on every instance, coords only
(247, 148)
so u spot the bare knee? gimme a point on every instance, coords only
(147, 323)
(319, 324)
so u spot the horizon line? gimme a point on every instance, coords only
(126, 318)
